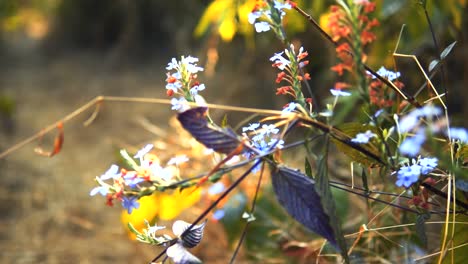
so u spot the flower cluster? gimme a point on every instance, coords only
(411, 146)
(184, 82)
(128, 184)
(264, 138)
(176, 248)
(350, 28)
(268, 15)
(379, 94)
(291, 65)
(407, 175)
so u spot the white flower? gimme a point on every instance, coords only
(262, 27)
(279, 60)
(178, 160)
(172, 65)
(180, 104)
(254, 16)
(142, 152)
(337, 93)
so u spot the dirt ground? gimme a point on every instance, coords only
(46, 213)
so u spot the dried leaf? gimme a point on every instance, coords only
(296, 193)
(222, 140)
(58, 143)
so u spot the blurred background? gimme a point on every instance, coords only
(56, 55)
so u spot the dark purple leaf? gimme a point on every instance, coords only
(296, 193)
(222, 140)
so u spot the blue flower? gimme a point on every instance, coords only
(251, 127)
(132, 180)
(412, 145)
(111, 173)
(130, 203)
(262, 26)
(459, 133)
(363, 138)
(427, 165)
(337, 93)
(288, 109)
(216, 188)
(218, 214)
(270, 129)
(102, 190)
(408, 175)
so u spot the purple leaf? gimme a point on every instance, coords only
(222, 140)
(296, 193)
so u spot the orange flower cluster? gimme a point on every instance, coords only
(352, 32)
(379, 94)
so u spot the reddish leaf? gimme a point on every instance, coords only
(296, 193)
(222, 140)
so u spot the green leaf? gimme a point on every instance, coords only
(447, 50)
(460, 237)
(322, 187)
(433, 64)
(231, 221)
(421, 228)
(308, 168)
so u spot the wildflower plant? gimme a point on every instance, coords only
(408, 156)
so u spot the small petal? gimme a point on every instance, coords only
(178, 160)
(130, 203)
(111, 173)
(459, 133)
(100, 189)
(339, 93)
(142, 152)
(363, 138)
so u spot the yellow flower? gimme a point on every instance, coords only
(161, 206)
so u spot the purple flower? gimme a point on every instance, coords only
(408, 175)
(363, 138)
(130, 203)
(427, 165)
(102, 190)
(252, 17)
